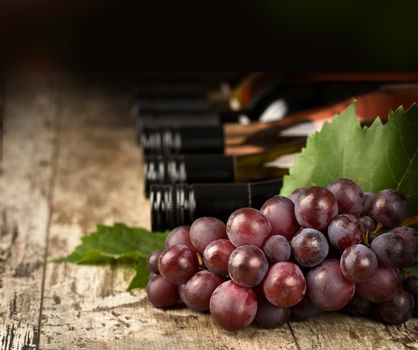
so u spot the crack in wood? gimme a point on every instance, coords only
(109, 308)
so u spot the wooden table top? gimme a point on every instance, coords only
(69, 161)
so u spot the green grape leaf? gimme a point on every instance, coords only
(140, 279)
(379, 156)
(120, 243)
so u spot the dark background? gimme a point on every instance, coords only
(126, 36)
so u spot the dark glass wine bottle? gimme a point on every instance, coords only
(181, 204)
(191, 168)
(226, 138)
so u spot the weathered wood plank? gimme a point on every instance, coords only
(338, 331)
(98, 179)
(25, 182)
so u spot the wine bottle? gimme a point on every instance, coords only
(190, 168)
(181, 204)
(185, 111)
(237, 139)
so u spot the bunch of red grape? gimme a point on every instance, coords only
(321, 249)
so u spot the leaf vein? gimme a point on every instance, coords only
(407, 170)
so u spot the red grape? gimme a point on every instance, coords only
(398, 310)
(161, 293)
(410, 237)
(216, 256)
(328, 289)
(277, 249)
(390, 250)
(248, 226)
(388, 207)
(206, 230)
(270, 316)
(383, 285)
(247, 265)
(345, 230)
(199, 289)
(315, 207)
(309, 247)
(280, 211)
(349, 196)
(178, 263)
(358, 263)
(179, 235)
(153, 262)
(284, 285)
(233, 306)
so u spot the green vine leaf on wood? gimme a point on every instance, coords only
(376, 157)
(120, 243)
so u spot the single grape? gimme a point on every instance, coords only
(390, 250)
(368, 223)
(304, 309)
(280, 211)
(309, 247)
(358, 263)
(179, 235)
(345, 230)
(153, 262)
(233, 306)
(315, 207)
(410, 237)
(247, 265)
(206, 230)
(270, 316)
(411, 286)
(216, 256)
(358, 306)
(328, 289)
(277, 249)
(161, 293)
(248, 226)
(178, 263)
(349, 196)
(284, 285)
(388, 208)
(398, 310)
(199, 289)
(367, 200)
(381, 287)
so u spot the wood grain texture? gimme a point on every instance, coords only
(70, 159)
(338, 331)
(25, 183)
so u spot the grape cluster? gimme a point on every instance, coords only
(321, 249)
